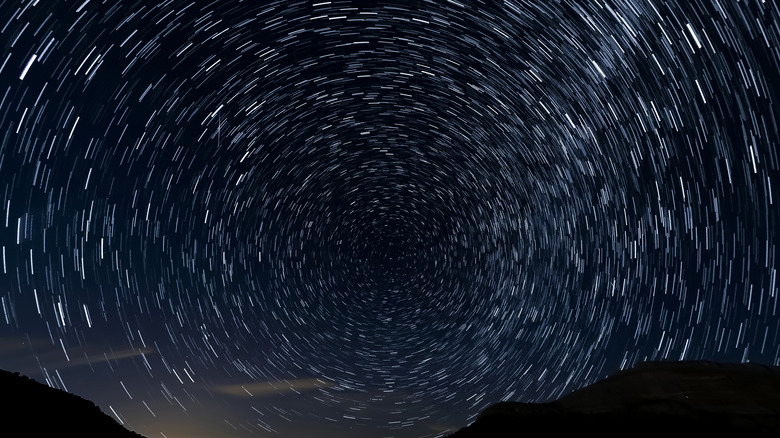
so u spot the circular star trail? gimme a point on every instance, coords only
(381, 217)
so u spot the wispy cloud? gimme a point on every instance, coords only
(26, 355)
(260, 389)
(93, 358)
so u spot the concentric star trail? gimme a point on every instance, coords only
(295, 218)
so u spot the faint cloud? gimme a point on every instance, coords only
(27, 355)
(260, 389)
(93, 357)
(10, 345)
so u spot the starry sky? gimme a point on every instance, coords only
(376, 218)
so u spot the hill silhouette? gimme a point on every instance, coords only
(664, 398)
(30, 408)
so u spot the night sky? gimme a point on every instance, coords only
(375, 219)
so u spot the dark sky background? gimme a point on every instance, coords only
(374, 219)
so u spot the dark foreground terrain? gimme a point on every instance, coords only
(655, 398)
(32, 409)
(663, 398)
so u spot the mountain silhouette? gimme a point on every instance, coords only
(29, 408)
(664, 398)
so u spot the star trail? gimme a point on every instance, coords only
(376, 218)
